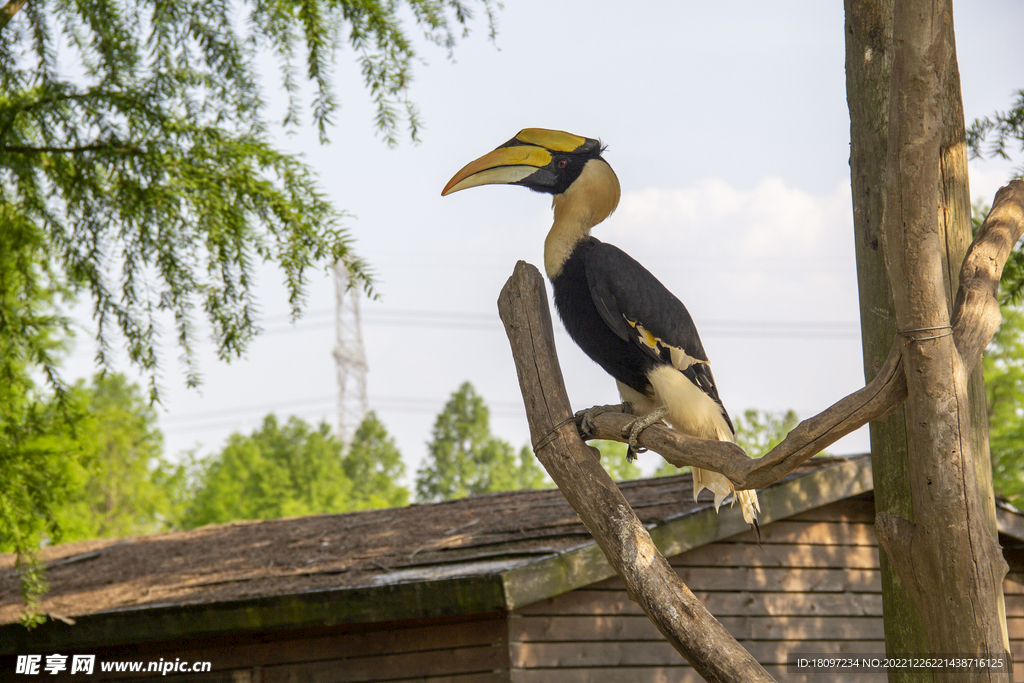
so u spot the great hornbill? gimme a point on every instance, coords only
(618, 313)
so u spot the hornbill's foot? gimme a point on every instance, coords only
(638, 425)
(585, 418)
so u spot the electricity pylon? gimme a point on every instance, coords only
(349, 357)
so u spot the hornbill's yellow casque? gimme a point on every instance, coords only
(619, 314)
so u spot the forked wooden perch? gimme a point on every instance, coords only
(975, 319)
(649, 578)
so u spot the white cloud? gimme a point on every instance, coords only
(769, 252)
(770, 219)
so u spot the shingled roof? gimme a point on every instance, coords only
(488, 553)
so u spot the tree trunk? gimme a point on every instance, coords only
(868, 65)
(945, 551)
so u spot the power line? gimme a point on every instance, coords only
(265, 407)
(489, 322)
(319, 406)
(323, 414)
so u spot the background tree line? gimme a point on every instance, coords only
(122, 483)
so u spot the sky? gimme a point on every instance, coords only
(727, 126)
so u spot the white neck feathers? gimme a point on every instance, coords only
(587, 202)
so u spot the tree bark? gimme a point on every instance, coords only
(868, 67)
(8, 11)
(574, 467)
(955, 232)
(947, 557)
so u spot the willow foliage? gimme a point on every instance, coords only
(137, 172)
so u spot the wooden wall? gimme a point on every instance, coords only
(1013, 591)
(812, 586)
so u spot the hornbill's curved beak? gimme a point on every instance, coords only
(526, 160)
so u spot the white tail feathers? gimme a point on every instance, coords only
(720, 485)
(749, 506)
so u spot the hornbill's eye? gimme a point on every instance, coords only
(561, 163)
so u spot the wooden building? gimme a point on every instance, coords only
(501, 587)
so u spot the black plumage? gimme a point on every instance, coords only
(599, 290)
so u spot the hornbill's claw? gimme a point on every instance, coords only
(638, 425)
(585, 418)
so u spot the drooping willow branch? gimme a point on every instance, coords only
(975, 319)
(95, 147)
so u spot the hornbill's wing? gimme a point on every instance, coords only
(638, 308)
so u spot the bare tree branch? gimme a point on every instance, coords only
(976, 315)
(879, 398)
(9, 10)
(649, 579)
